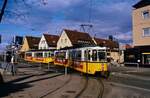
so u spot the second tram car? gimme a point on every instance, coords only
(40, 56)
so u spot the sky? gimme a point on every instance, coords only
(35, 17)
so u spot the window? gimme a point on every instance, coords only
(145, 14)
(62, 40)
(101, 56)
(65, 40)
(78, 55)
(94, 55)
(146, 31)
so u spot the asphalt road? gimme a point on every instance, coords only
(32, 82)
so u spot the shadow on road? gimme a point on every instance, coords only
(19, 85)
(12, 87)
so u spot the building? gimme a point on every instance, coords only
(73, 38)
(30, 43)
(112, 47)
(48, 41)
(141, 30)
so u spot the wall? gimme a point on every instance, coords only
(43, 43)
(138, 24)
(25, 46)
(63, 41)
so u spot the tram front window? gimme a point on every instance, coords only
(101, 56)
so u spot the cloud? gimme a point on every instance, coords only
(108, 17)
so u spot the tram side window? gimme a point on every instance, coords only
(49, 54)
(101, 56)
(28, 54)
(94, 55)
(60, 55)
(85, 55)
(71, 55)
(78, 55)
(46, 55)
(52, 54)
(89, 55)
(39, 55)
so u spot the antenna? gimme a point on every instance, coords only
(88, 26)
(84, 26)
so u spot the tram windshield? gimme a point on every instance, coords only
(102, 56)
(95, 55)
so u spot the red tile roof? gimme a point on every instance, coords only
(106, 43)
(33, 42)
(79, 38)
(51, 40)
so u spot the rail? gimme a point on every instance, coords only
(52, 91)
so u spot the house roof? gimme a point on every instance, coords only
(142, 3)
(106, 43)
(79, 38)
(51, 39)
(33, 42)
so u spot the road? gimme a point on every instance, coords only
(128, 82)
(32, 81)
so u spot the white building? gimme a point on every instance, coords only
(48, 41)
(70, 38)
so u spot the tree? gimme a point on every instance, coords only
(5, 3)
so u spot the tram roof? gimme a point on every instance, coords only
(85, 47)
(41, 50)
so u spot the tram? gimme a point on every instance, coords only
(91, 60)
(40, 56)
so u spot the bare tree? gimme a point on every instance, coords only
(5, 3)
(3, 9)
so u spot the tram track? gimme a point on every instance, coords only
(56, 89)
(101, 88)
(84, 88)
(28, 94)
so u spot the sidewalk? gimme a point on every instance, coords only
(139, 73)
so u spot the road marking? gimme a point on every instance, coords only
(129, 86)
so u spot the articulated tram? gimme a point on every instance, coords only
(91, 60)
(40, 56)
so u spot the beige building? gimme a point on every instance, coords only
(72, 38)
(141, 23)
(30, 43)
(141, 31)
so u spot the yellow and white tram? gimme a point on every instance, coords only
(40, 56)
(91, 60)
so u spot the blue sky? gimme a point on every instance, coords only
(109, 17)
